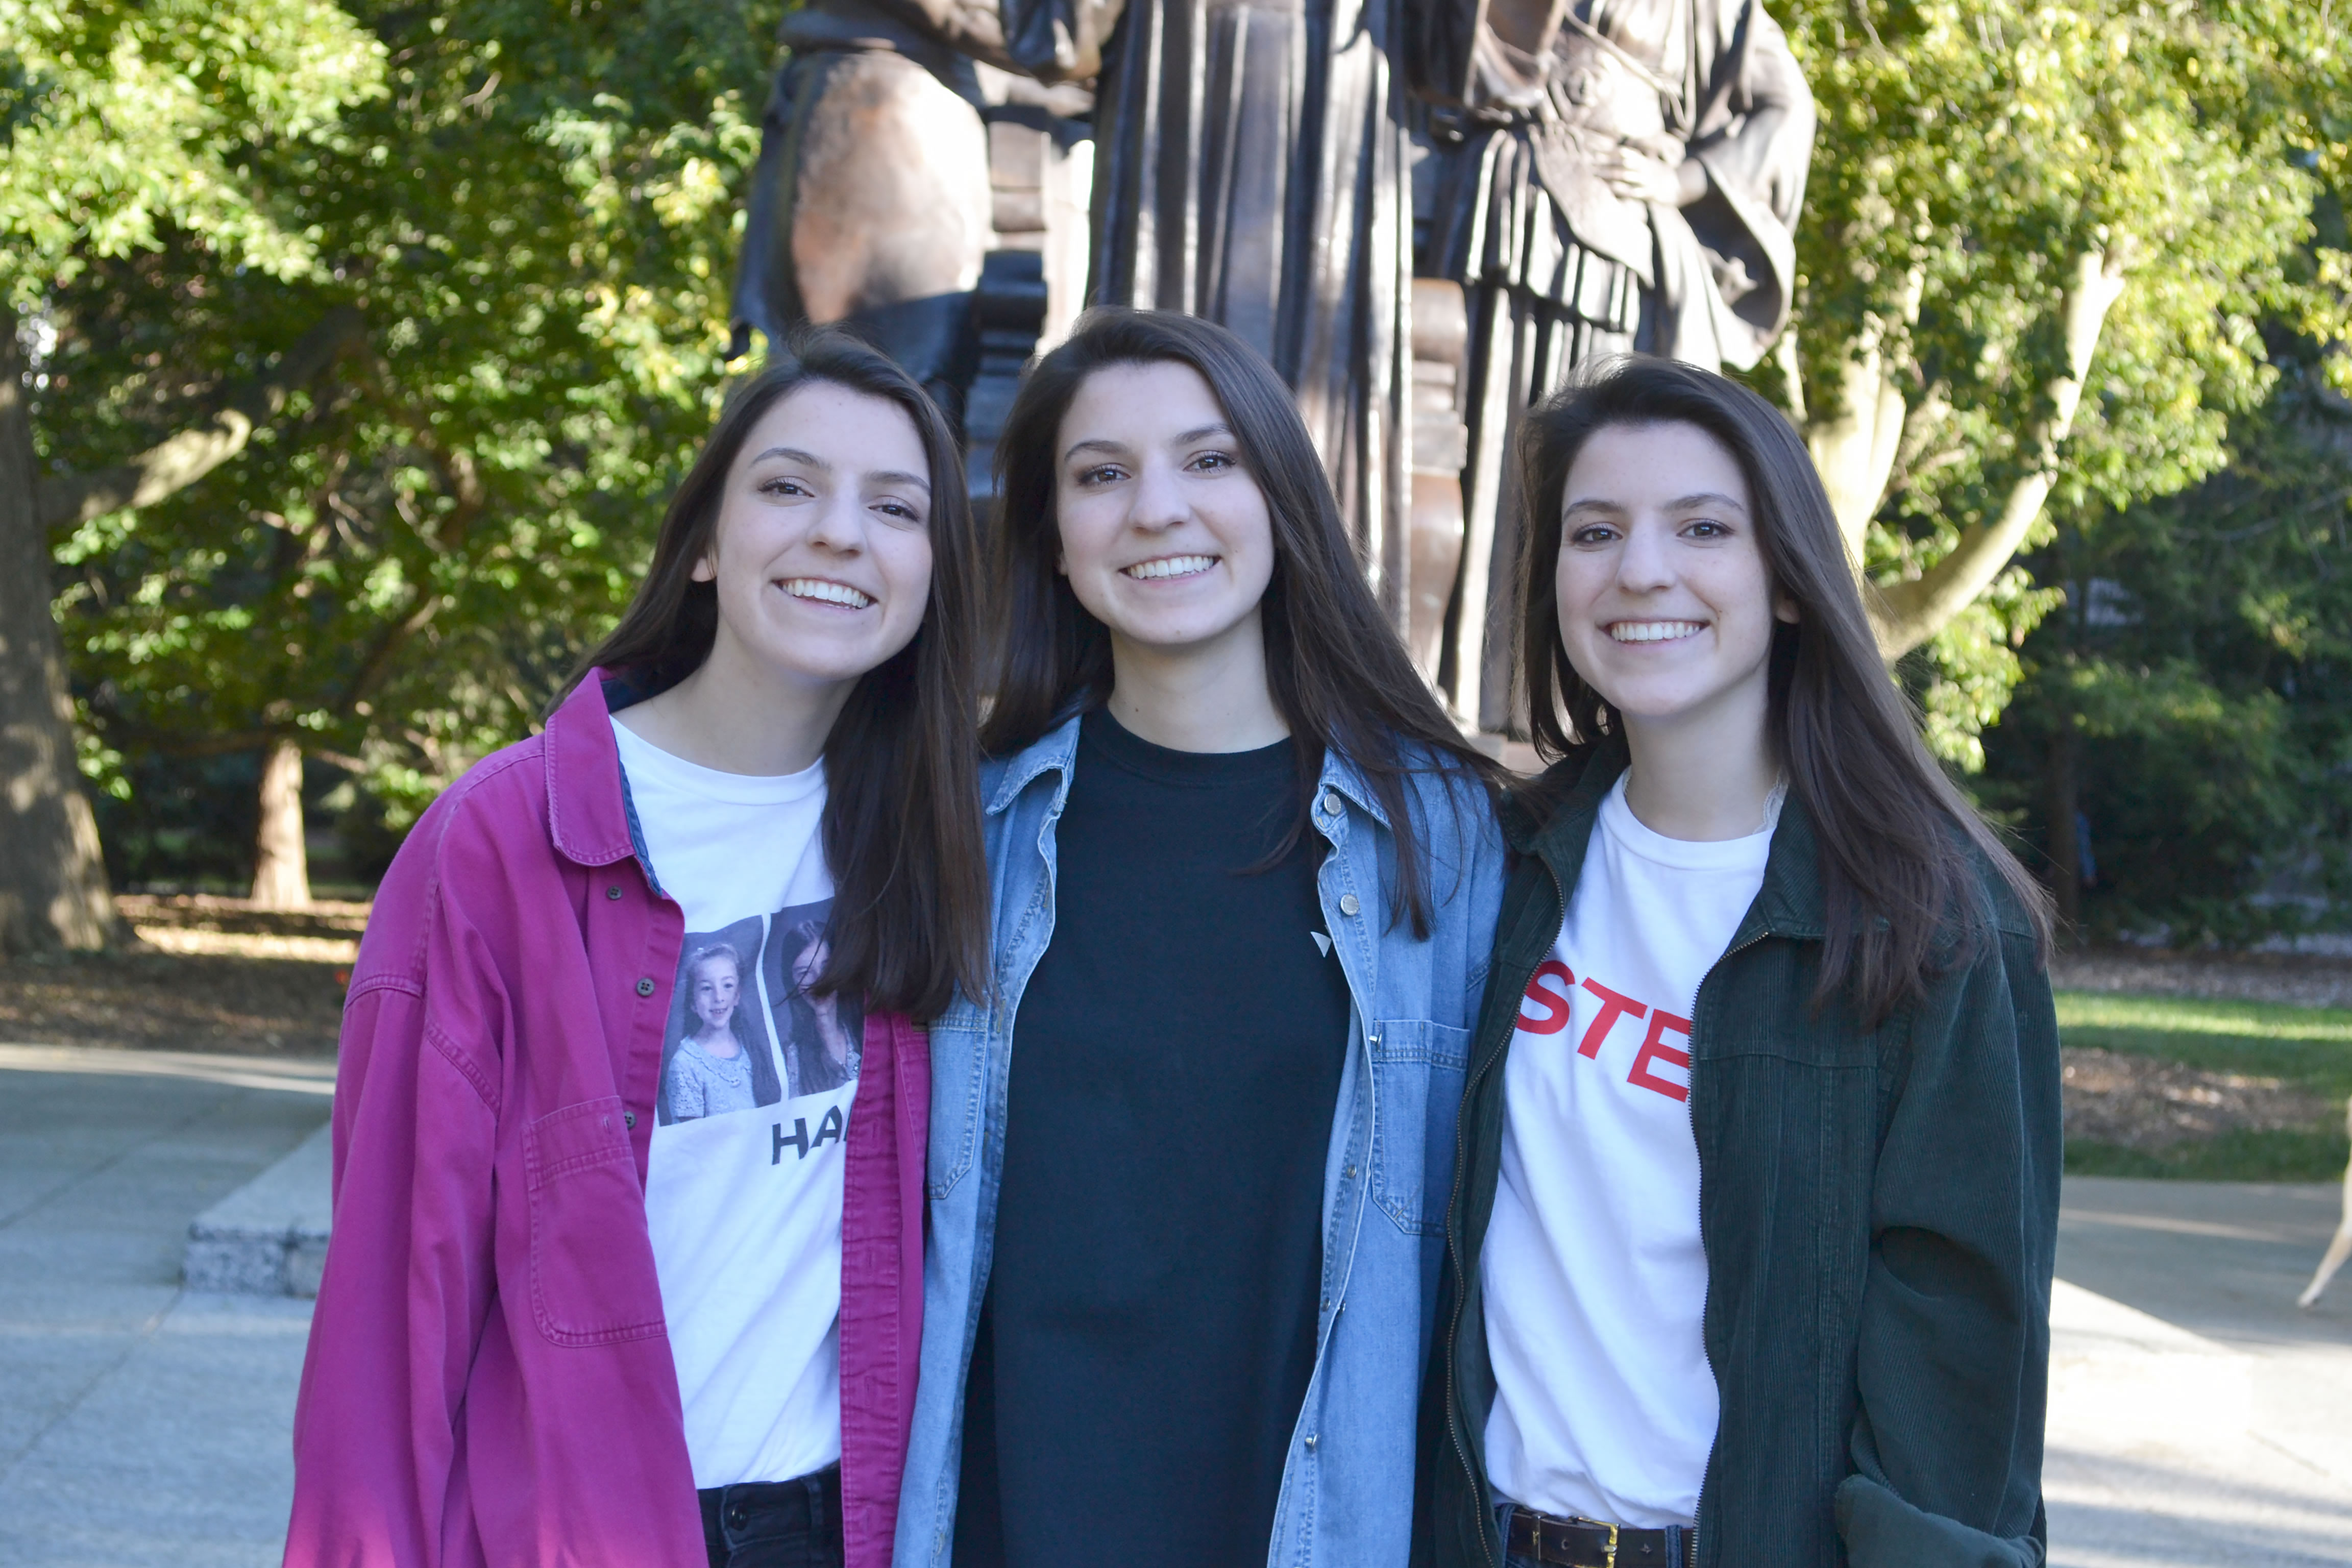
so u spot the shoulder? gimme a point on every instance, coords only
(477, 825)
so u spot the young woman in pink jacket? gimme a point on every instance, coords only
(630, 1128)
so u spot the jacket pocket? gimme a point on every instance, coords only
(584, 1197)
(958, 1090)
(1417, 1069)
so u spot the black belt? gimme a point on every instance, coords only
(1583, 1543)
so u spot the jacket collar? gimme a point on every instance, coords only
(1790, 903)
(1054, 752)
(587, 813)
(1057, 751)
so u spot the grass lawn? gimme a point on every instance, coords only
(2305, 1048)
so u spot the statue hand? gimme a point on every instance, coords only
(1640, 175)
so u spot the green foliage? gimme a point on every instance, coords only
(123, 121)
(2303, 1047)
(2204, 665)
(536, 219)
(1970, 150)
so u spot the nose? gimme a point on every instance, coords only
(1645, 564)
(1156, 500)
(839, 524)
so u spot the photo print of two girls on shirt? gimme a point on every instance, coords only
(746, 1030)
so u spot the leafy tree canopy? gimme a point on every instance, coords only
(2039, 244)
(535, 221)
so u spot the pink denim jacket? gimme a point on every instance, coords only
(489, 1379)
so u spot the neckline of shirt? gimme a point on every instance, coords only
(1102, 732)
(644, 761)
(1637, 837)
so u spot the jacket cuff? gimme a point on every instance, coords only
(1882, 1531)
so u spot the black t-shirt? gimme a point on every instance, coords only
(1148, 1330)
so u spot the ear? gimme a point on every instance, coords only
(1061, 563)
(1784, 609)
(705, 570)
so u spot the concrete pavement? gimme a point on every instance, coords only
(2197, 1417)
(140, 1423)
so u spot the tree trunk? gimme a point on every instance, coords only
(1853, 444)
(1908, 614)
(281, 860)
(53, 892)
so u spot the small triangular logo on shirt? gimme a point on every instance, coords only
(1322, 943)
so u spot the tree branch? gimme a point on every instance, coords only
(1908, 614)
(180, 460)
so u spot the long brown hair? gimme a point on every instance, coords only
(902, 834)
(1894, 834)
(1335, 669)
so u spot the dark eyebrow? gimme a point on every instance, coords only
(1680, 503)
(794, 455)
(1117, 448)
(811, 460)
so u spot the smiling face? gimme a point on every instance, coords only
(1665, 606)
(823, 552)
(1166, 538)
(717, 984)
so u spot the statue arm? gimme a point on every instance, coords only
(1758, 147)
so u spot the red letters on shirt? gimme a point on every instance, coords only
(1654, 1048)
(1554, 1002)
(1613, 1006)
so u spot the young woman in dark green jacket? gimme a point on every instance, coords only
(1749, 1252)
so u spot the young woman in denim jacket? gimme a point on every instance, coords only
(1188, 1157)
(612, 1229)
(1750, 1248)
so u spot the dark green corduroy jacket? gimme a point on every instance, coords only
(1879, 1208)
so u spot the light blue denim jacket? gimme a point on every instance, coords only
(1348, 1487)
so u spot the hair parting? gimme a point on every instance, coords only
(1897, 839)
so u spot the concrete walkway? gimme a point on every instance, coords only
(2225, 1434)
(140, 1424)
(2197, 1417)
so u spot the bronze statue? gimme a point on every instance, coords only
(1626, 176)
(1609, 175)
(914, 185)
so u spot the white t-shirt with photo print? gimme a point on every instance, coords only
(743, 1188)
(1595, 1281)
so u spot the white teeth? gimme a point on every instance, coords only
(817, 588)
(1654, 631)
(1171, 566)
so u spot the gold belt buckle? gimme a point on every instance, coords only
(1611, 1558)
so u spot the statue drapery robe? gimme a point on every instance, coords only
(1252, 166)
(1561, 270)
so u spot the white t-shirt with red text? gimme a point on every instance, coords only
(1595, 1281)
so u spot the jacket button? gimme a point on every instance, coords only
(1310, 1442)
(645, 987)
(628, 1119)
(614, 891)
(1330, 803)
(1349, 903)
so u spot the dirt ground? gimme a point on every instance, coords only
(209, 973)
